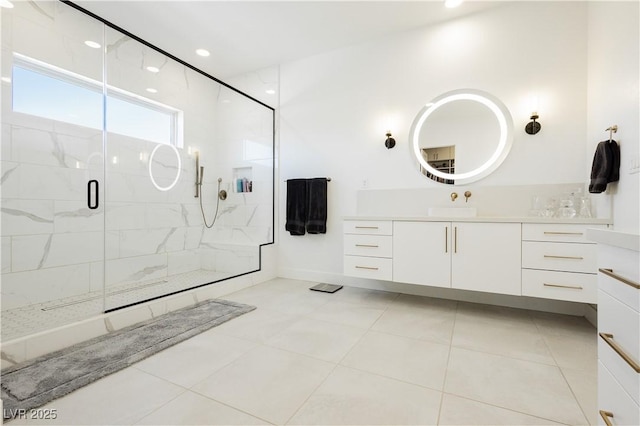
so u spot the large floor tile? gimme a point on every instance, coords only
(461, 411)
(410, 360)
(496, 315)
(522, 342)
(428, 320)
(532, 388)
(189, 362)
(562, 325)
(366, 297)
(266, 382)
(319, 339)
(119, 399)
(193, 409)
(584, 385)
(347, 313)
(258, 325)
(352, 397)
(579, 352)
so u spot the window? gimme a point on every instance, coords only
(47, 91)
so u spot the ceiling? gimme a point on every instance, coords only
(245, 36)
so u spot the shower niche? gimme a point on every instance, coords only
(100, 134)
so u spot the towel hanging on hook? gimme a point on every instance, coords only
(606, 163)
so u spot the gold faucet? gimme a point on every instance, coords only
(467, 195)
(454, 195)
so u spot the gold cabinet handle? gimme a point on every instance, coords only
(562, 233)
(608, 338)
(367, 267)
(610, 273)
(550, 256)
(455, 239)
(605, 416)
(366, 227)
(446, 239)
(576, 287)
(367, 245)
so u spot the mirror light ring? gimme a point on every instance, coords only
(493, 107)
(175, 181)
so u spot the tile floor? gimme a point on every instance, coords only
(356, 357)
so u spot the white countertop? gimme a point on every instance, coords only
(530, 219)
(611, 237)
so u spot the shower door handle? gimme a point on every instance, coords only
(93, 195)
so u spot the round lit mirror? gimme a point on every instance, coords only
(461, 136)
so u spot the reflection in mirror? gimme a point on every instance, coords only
(461, 136)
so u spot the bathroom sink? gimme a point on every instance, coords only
(452, 211)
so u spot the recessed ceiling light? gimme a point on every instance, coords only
(270, 92)
(203, 52)
(6, 79)
(6, 3)
(452, 3)
(151, 90)
(92, 44)
(153, 69)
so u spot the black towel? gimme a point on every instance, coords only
(296, 206)
(317, 206)
(605, 167)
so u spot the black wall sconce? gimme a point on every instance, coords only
(533, 126)
(390, 142)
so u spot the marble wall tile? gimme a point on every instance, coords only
(149, 241)
(10, 179)
(27, 217)
(30, 287)
(30, 252)
(136, 269)
(7, 143)
(75, 216)
(183, 261)
(53, 183)
(97, 272)
(74, 248)
(165, 215)
(6, 254)
(125, 216)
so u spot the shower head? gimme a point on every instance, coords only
(219, 179)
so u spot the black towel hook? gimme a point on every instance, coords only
(613, 129)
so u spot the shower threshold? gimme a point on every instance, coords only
(26, 320)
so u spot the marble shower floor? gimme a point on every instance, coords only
(356, 357)
(31, 319)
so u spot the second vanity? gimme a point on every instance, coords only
(535, 257)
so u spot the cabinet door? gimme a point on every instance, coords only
(487, 257)
(422, 253)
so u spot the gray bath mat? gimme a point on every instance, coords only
(35, 382)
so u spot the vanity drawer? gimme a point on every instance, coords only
(613, 399)
(377, 268)
(556, 232)
(370, 227)
(368, 245)
(618, 346)
(573, 287)
(560, 256)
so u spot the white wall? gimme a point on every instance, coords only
(336, 107)
(614, 98)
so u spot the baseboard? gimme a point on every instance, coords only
(520, 302)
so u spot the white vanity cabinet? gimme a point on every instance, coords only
(422, 253)
(618, 328)
(486, 257)
(368, 249)
(559, 262)
(464, 255)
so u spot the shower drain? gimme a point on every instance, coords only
(98, 297)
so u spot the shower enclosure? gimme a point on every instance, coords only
(100, 136)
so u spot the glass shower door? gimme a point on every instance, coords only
(52, 167)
